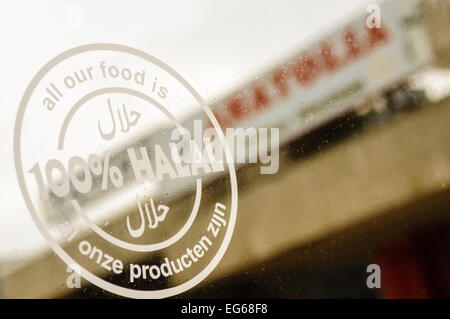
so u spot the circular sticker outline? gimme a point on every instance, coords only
(61, 253)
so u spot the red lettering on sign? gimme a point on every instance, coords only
(329, 60)
(279, 79)
(305, 70)
(377, 35)
(235, 107)
(260, 97)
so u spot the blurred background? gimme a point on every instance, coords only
(364, 173)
